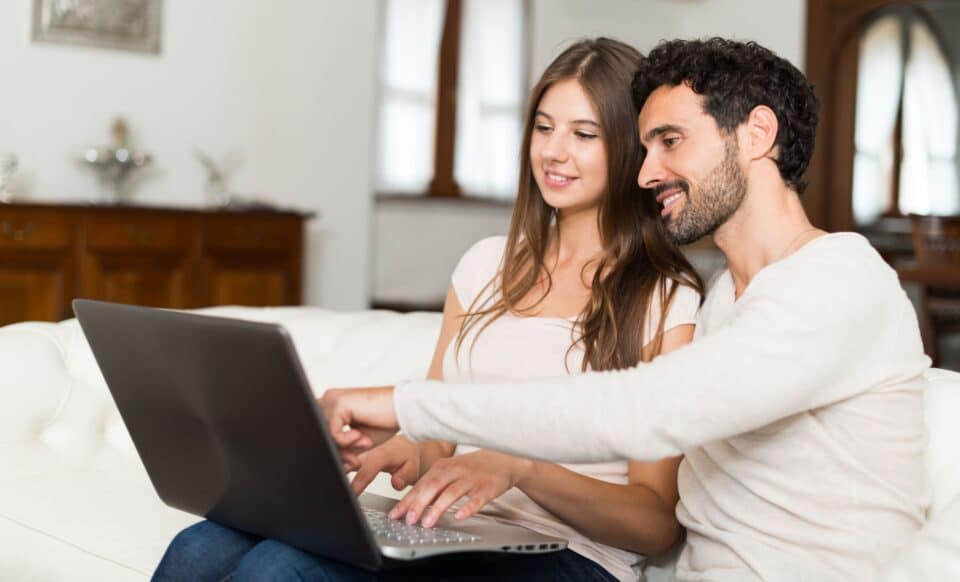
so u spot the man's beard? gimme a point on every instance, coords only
(720, 195)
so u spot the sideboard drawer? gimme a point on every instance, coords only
(140, 231)
(35, 229)
(253, 233)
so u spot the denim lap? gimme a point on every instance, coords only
(208, 552)
(205, 551)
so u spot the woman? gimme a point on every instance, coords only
(585, 280)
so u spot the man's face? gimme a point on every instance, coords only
(690, 166)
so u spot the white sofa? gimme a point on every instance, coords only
(76, 504)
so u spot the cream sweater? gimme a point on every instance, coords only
(799, 410)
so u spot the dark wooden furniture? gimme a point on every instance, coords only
(936, 269)
(160, 257)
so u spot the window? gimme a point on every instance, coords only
(905, 156)
(452, 84)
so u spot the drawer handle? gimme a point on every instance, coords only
(15, 233)
(140, 236)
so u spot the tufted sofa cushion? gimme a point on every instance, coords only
(75, 501)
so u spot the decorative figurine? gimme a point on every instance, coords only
(216, 186)
(8, 165)
(115, 164)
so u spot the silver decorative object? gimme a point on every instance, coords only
(115, 164)
(8, 165)
(133, 25)
(216, 186)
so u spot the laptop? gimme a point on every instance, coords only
(225, 422)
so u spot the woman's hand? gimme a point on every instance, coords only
(359, 419)
(480, 476)
(398, 456)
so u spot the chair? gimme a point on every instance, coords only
(936, 246)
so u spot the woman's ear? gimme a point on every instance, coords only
(761, 129)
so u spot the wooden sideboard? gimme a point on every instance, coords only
(159, 257)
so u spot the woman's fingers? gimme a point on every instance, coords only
(476, 502)
(366, 473)
(350, 461)
(405, 475)
(450, 495)
(423, 493)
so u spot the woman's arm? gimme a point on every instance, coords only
(638, 516)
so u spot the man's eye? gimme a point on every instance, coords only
(671, 141)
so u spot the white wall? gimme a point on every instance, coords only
(416, 247)
(779, 25)
(289, 87)
(286, 86)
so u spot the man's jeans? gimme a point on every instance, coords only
(215, 553)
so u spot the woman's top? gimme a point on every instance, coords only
(520, 348)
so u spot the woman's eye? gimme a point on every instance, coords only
(542, 128)
(585, 135)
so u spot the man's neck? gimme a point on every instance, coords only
(769, 226)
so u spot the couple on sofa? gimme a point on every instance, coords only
(787, 439)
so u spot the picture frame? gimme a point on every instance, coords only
(129, 25)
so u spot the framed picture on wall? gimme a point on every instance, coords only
(132, 25)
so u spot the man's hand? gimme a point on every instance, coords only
(359, 418)
(398, 456)
(482, 476)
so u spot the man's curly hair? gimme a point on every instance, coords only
(734, 77)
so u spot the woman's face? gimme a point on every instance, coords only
(567, 152)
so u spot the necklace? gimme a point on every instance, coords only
(789, 246)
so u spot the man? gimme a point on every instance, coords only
(799, 407)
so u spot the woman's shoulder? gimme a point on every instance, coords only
(682, 309)
(490, 248)
(477, 267)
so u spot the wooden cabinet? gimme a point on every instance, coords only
(246, 262)
(37, 266)
(145, 256)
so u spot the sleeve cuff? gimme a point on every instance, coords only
(405, 408)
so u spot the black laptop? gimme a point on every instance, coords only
(225, 422)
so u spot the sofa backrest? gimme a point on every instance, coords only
(52, 392)
(943, 433)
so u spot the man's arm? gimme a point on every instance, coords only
(792, 347)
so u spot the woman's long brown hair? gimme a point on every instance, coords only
(636, 254)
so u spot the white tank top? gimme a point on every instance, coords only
(522, 348)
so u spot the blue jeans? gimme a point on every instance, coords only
(211, 552)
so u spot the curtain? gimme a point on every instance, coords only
(490, 97)
(928, 174)
(408, 87)
(878, 98)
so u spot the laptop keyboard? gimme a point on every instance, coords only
(398, 531)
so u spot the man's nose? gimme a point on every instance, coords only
(651, 172)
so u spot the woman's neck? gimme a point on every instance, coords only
(577, 238)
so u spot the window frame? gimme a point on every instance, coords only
(443, 184)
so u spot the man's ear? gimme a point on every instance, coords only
(761, 133)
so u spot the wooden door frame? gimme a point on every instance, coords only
(833, 26)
